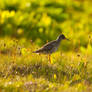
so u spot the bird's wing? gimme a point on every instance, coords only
(47, 47)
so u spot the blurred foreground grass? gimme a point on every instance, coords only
(23, 71)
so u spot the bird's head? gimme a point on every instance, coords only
(62, 37)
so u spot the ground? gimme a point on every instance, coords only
(24, 71)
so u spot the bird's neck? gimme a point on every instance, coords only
(58, 40)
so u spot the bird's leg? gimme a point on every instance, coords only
(49, 58)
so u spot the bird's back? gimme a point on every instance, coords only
(51, 47)
(47, 48)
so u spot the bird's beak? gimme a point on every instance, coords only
(67, 39)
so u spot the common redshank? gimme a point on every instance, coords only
(51, 47)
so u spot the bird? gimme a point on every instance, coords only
(51, 46)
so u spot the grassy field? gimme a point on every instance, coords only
(23, 71)
(25, 25)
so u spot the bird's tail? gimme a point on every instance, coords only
(37, 51)
(34, 52)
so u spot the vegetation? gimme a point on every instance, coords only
(25, 25)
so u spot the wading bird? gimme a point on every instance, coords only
(51, 47)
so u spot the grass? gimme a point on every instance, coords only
(23, 71)
(71, 67)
